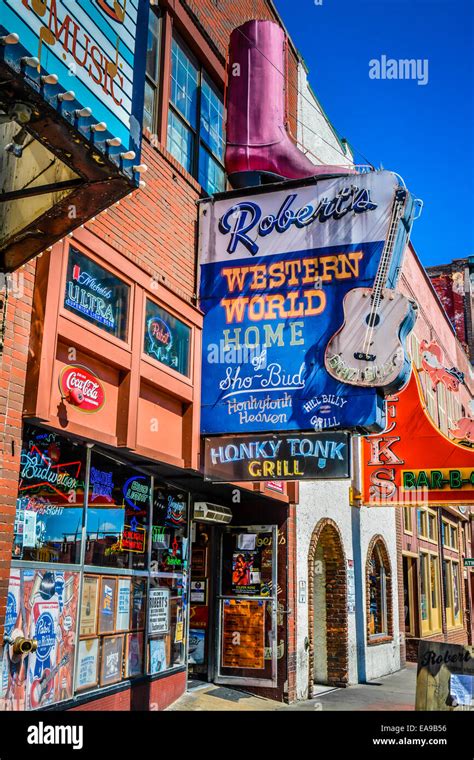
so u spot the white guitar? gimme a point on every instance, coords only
(369, 349)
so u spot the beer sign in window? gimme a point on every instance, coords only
(167, 339)
(96, 295)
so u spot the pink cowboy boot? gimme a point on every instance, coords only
(259, 148)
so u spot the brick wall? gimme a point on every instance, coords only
(13, 358)
(327, 535)
(155, 695)
(399, 588)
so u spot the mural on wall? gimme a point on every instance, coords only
(276, 268)
(41, 605)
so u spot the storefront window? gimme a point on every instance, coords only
(50, 504)
(111, 629)
(96, 295)
(167, 339)
(377, 595)
(451, 588)
(117, 515)
(167, 595)
(430, 594)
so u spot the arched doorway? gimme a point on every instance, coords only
(327, 597)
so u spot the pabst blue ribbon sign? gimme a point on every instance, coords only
(282, 350)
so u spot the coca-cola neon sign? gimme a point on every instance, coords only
(81, 388)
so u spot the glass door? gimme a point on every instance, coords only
(247, 606)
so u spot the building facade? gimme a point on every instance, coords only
(454, 285)
(111, 539)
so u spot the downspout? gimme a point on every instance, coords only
(358, 564)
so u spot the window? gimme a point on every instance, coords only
(450, 535)
(120, 614)
(117, 515)
(452, 590)
(408, 519)
(196, 120)
(167, 339)
(379, 592)
(443, 396)
(428, 525)
(169, 544)
(96, 295)
(429, 591)
(152, 69)
(50, 504)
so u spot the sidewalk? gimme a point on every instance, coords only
(394, 692)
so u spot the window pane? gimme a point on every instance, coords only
(212, 119)
(423, 589)
(166, 646)
(211, 175)
(456, 592)
(149, 107)
(180, 141)
(153, 46)
(184, 83)
(167, 339)
(117, 515)
(50, 504)
(96, 295)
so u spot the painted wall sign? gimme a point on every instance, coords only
(275, 268)
(413, 462)
(44, 605)
(297, 456)
(81, 388)
(91, 44)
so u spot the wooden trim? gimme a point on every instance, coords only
(165, 77)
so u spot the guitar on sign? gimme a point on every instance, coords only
(369, 349)
(42, 686)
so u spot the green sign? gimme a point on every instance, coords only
(468, 562)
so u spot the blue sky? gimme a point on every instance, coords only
(423, 132)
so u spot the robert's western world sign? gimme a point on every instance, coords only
(297, 456)
(275, 268)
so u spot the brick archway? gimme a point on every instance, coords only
(326, 542)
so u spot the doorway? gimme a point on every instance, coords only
(202, 591)
(233, 605)
(410, 596)
(328, 625)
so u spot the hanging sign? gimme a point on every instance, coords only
(276, 267)
(81, 388)
(413, 462)
(297, 456)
